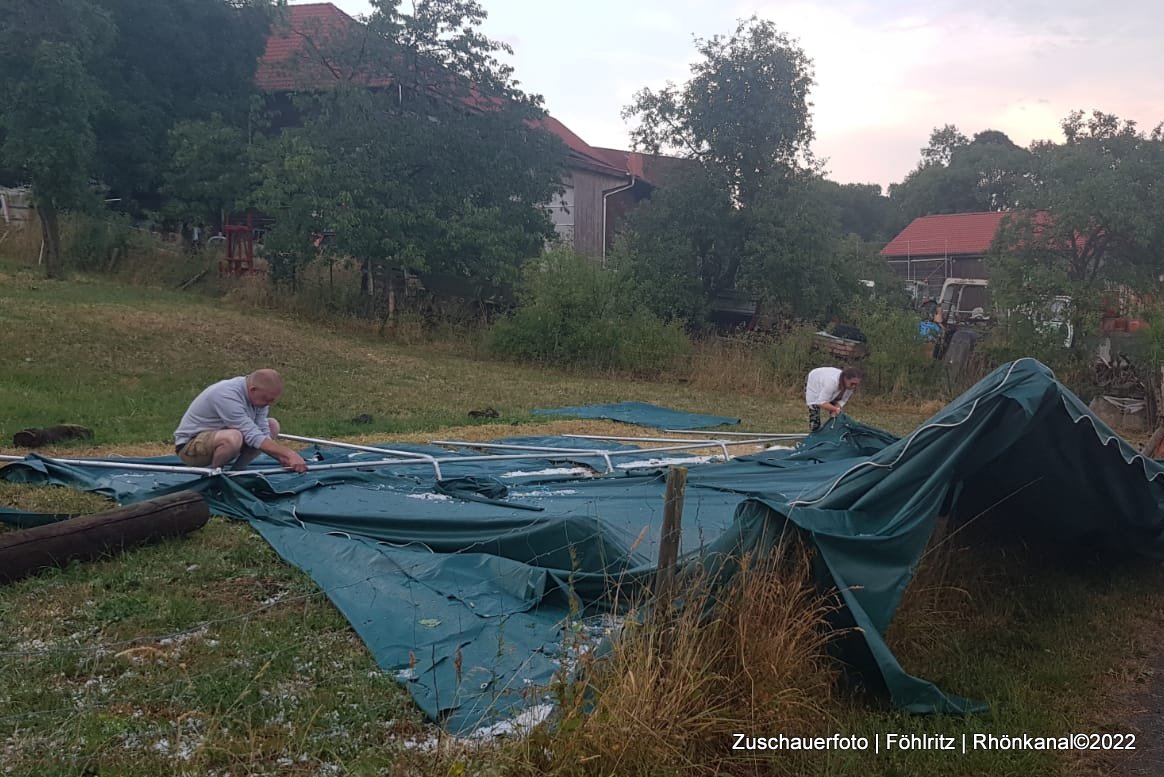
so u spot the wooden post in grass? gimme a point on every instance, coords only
(26, 552)
(1151, 448)
(669, 542)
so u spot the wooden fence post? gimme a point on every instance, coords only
(669, 542)
(1151, 447)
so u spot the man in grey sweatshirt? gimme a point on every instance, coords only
(228, 422)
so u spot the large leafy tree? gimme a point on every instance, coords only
(208, 172)
(419, 153)
(794, 259)
(757, 218)
(47, 52)
(173, 61)
(744, 113)
(1094, 213)
(683, 247)
(92, 87)
(959, 175)
(439, 191)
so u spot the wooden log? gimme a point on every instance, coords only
(23, 553)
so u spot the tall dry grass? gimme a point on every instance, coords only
(21, 242)
(729, 364)
(676, 686)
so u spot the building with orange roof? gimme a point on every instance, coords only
(600, 185)
(949, 245)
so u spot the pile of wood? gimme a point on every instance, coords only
(840, 347)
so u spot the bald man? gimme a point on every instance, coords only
(228, 423)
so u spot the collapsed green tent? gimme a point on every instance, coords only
(491, 564)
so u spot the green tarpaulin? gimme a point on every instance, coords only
(486, 562)
(641, 414)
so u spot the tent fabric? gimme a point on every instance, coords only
(23, 519)
(426, 575)
(641, 414)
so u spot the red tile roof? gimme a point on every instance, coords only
(582, 151)
(657, 169)
(293, 61)
(951, 234)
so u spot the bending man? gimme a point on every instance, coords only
(228, 422)
(829, 388)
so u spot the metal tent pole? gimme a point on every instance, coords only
(705, 443)
(548, 448)
(368, 448)
(126, 465)
(766, 435)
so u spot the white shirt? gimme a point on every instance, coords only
(824, 386)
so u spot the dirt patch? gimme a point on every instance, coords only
(244, 592)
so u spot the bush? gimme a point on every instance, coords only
(1020, 337)
(573, 312)
(899, 361)
(792, 356)
(96, 242)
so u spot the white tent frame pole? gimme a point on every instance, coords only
(766, 435)
(705, 443)
(119, 465)
(446, 460)
(369, 449)
(604, 455)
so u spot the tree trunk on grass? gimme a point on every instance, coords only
(50, 230)
(23, 553)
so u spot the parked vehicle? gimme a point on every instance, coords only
(965, 301)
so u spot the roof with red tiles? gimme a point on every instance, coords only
(295, 60)
(582, 151)
(294, 57)
(948, 234)
(654, 168)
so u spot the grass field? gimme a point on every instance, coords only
(210, 656)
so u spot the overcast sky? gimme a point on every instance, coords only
(887, 71)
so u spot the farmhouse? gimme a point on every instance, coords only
(933, 248)
(600, 185)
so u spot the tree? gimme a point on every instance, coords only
(1094, 213)
(92, 87)
(944, 141)
(956, 175)
(420, 153)
(756, 218)
(173, 61)
(47, 50)
(683, 247)
(744, 114)
(793, 255)
(208, 172)
(862, 210)
(441, 41)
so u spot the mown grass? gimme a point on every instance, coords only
(208, 655)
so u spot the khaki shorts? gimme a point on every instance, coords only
(199, 450)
